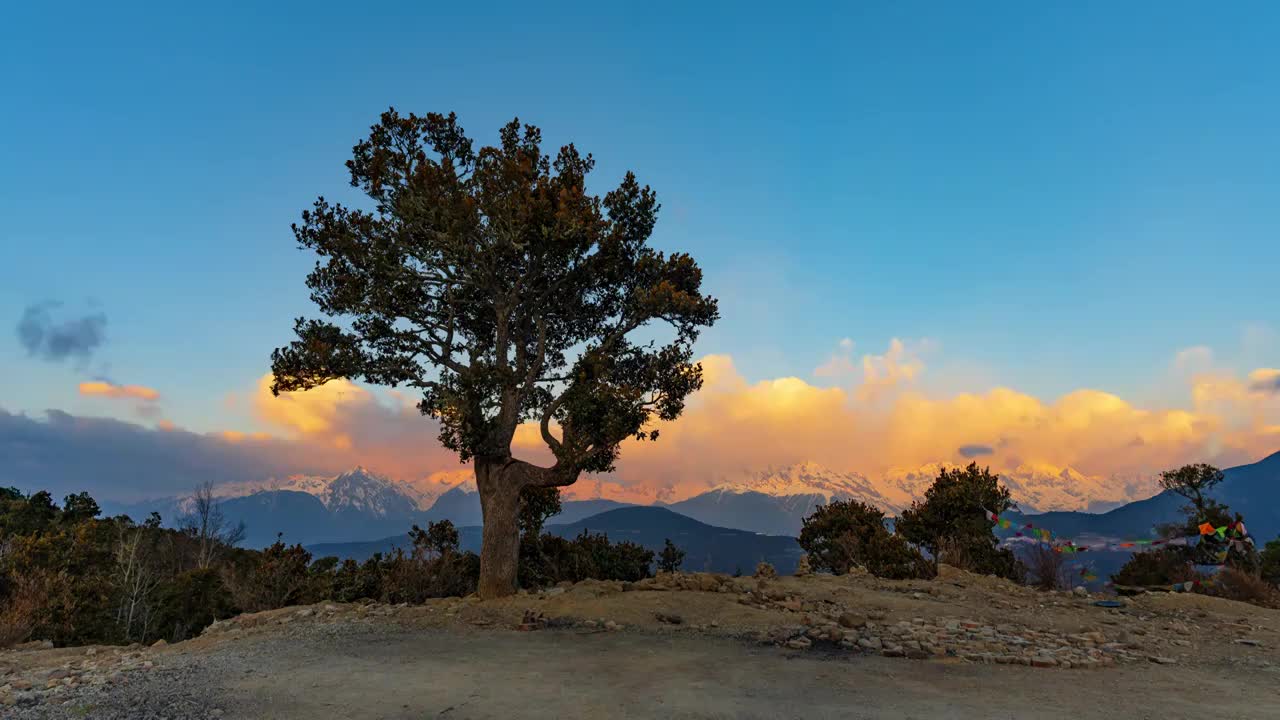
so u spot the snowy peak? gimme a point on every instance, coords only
(361, 491)
(809, 479)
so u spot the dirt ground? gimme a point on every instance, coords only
(696, 646)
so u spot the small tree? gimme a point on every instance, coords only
(1047, 568)
(1269, 562)
(1193, 482)
(953, 515)
(670, 558)
(846, 534)
(495, 285)
(209, 527)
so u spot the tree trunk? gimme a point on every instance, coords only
(500, 551)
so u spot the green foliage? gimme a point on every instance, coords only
(1269, 562)
(951, 522)
(554, 559)
(273, 578)
(670, 558)
(192, 601)
(1163, 566)
(537, 506)
(842, 535)
(1193, 482)
(483, 277)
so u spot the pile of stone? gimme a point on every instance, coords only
(95, 668)
(922, 638)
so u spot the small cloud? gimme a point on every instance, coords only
(103, 388)
(56, 341)
(973, 451)
(1265, 380)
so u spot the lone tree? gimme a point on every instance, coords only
(495, 285)
(1194, 482)
(670, 558)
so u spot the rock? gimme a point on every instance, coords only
(870, 643)
(1043, 661)
(1161, 660)
(552, 592)
(1080, 591)
(1248, 641)
(893, 652)
(669, 618)
(159, 644)
(802, 566)
(20, 684)
(611, 625)
(851, 620)
(91, 651)
(8, 699)
(799, 643)
(304, 612)
(915, 654)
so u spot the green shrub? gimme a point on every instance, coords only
(192, 601)
(843, 535)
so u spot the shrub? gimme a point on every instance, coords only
(22, 607)
(670, 558)
(846, 534)
(953, 516)
(1164, 566)
(1047, 569)
(192, 601)
(1269, 562)
(271, 579)
(1235, 584)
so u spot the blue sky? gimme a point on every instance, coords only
(1058, 197)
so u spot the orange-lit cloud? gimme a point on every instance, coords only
(111, 390)
(876, 422)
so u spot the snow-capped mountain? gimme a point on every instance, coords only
(1035, 487)
(775, 501)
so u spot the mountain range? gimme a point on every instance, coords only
(359, 505)
(707, 548)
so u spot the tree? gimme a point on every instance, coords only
(79, 507)
(210, 527)
(496, 286)
(1193, 482)
(842, 535)
(953, 518)
(1269, 562)
(670, 558)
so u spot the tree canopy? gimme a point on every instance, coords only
(492, 282)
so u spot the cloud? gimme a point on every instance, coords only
(732, 424)
(973, 451)
(111, 390)
(1265, 380)
(876, 375)
(56, 341)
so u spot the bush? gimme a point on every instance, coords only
(1234, 584)
(953, 517)
(23, 607)
(1269, 562)
(271, 579)
(1047, 569)
(670, 558)
(1165, 566)
(192, 601)
(846, 534)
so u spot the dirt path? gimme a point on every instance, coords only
(566, 674)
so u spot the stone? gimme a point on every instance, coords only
(1043, 661)
(916, 654)
(893, 652)
(803, 567)
(852, 620)
(611, 625)
(799, 643)
(1080, 591)
(20, 684)
(1161, 660)
(1248, 641)
(669, 618)
(159, 643)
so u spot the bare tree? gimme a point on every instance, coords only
(138, 575)
(209, 527)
